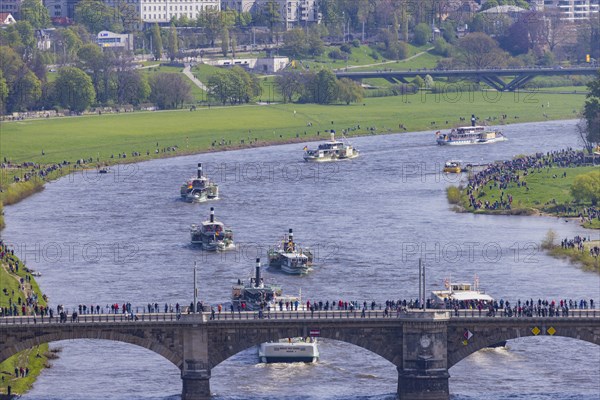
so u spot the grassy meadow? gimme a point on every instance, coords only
(72, 138)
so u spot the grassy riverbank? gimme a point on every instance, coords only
(36, 358)
(581, 257)
(547, 192)
(99, 137)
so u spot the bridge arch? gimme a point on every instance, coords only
(138, 338)
(485, 338)
(374, 340)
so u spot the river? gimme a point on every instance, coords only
(124, 236)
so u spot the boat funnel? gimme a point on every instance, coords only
(332, 135)
(291, 236)
(473, 119)
(212, 214)
(257, 277)
(199, 170)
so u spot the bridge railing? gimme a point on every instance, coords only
(506, 313)
(286, 315)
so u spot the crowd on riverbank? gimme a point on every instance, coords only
(514, 173)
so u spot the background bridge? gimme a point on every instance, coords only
(421, 344)
(493, 77)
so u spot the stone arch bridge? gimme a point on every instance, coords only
(423, 345)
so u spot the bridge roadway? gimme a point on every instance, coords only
(422, 344)
(490, 76)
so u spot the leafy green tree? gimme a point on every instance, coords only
(316, 47)
(478, 50)
(10, 64)
(132, 87)
(295, 43)
(289, 85)
(156, 42)
(422, 34)
(3, 92)
(210, 20)
(591, 113)
(70, 42)
(34, 12)
(225, 41)
(419, 82)
(324, 87)
(172, 43)
(97, 16)
(91, 59)
(168, 90)
(586, 188)
(349, 91)
(74, 89)
(25, 92)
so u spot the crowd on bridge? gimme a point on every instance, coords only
(513, 174)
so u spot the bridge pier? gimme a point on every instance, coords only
(416, 385)
(423, 374)
(196, 385)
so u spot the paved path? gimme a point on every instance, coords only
(388, 62)
(188, 72)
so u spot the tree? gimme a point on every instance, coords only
(323, 87)
(35, 13)
(25, 92)
(586, 188)
(349, 91)
(422, 34)
(591, 113)
(172, 43)
(97, 16)
(234, 86)
(70, 43)
(3, 92)
(210, 20)
(295, 43)
(168, 90)
(225, 41)
(132, 87)
(74, 89)
(10, 64)
(156, 42)
(289, 85)
(479, 51)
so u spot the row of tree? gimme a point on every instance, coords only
(320, 87)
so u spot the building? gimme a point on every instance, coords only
(12, 7)
(56, 8)
(115, 40)
(512, 12)
(262, 65)
(570, 10)
(162, 11)
(6, 19)
(292, 12)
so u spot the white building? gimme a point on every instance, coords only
(11, 6)
(115, 40)
(570, 10)
(292, 12)
(6, 19)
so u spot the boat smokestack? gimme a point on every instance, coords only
(291, 235)
(257, 277)
(212, 214)
(332, 135)
(473, 119)
(199, 170)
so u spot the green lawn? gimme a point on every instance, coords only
(544, 192)
(100, 136)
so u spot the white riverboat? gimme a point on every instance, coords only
(199, 188)
(474, 134)
(331, 150)
(212, 234)
(466, 294)
(290, 257)
(289, 350)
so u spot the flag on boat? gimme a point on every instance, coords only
(305, 148)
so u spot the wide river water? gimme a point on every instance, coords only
(124, 236)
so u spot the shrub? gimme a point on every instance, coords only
(453, 195)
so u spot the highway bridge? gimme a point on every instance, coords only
(493, 77)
